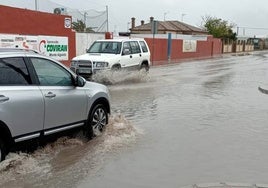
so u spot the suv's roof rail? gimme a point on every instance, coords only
(18, 50)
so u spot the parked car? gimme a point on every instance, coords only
(112, 54)
(39, 97)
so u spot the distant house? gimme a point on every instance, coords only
(165, 27)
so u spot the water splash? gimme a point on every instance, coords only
(120, 77)
(67, 158)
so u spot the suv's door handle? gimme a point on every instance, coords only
(140, 55)
(130, 56)
(50, 95)
(3, 98)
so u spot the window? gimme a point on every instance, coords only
(105, 47)
(135, 48)
(51, 74)
(126, 48)
(143, 46)
(13, 71)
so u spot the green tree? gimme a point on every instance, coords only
(80, 26)
(219, 28)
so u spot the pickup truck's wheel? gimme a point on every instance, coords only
(97, 120)
(144, 67)
(116, 68)
(2, 151)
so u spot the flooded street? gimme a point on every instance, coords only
(184, 124)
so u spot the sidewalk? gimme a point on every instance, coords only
(176, 61)
(227, 185)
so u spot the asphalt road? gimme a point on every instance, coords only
(184, 125)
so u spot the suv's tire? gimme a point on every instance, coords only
(116, 68)
(144, 67)
(97, 120)
(2, 151)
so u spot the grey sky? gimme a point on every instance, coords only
(246, 13)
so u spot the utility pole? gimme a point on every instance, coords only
(165, 13)
(128, 26)
(182, 15)
(85, 19)
(36, 5)
(107, 18)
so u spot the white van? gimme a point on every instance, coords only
(112, 54)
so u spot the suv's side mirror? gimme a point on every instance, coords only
(80, 81)
(126, 51)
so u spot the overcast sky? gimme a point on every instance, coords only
(244, 13)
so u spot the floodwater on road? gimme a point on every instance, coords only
(184, 124)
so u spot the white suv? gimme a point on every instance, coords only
(112, 54)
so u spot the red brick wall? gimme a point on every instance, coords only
(158, 47)
(28, 22)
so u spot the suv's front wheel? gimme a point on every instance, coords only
(2, 151)
(144, 67)
(97, 120)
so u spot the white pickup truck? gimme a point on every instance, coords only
(112, 54)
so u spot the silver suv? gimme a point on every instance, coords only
(39, 97)
(112, 54)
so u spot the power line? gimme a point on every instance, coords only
(257, 28)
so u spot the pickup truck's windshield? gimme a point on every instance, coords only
(105, 47)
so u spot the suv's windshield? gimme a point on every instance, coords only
(105, 47)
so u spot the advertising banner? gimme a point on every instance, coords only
(189, 45)
(52, 46)
(55, 47)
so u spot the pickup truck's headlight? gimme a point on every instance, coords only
(73, 63)
(101, 64)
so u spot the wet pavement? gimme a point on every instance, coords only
(182, 125)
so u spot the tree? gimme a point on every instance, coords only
(219, 28)
(80, 26)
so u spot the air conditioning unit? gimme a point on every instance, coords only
(60, 10)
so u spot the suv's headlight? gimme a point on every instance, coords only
(73, 63)
(101, 64)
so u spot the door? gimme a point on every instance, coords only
(127, 57)
(131, 55)
(136, 53)
(21, 103)
(65, 104)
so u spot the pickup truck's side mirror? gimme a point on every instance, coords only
(126, 51)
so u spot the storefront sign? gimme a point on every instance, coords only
(52, 46)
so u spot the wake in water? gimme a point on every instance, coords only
(52, 162)
(120, 77)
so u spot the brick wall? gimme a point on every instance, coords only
(28, 22)
(204, 49)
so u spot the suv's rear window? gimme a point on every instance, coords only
(13, 71)
(143, 46)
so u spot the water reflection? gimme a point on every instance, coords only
(135, 103)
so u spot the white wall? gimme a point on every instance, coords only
(84, 40)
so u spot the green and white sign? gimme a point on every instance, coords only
(52, 46)
(55, 47)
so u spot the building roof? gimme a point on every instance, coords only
(170, 26)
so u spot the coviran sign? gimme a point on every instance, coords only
(52, 46)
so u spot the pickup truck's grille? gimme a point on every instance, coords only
(84, 63)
